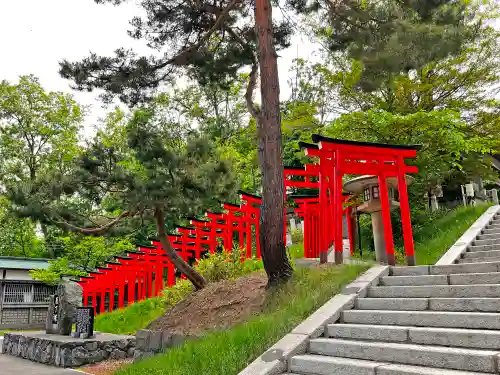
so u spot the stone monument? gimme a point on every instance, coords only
(63, 307)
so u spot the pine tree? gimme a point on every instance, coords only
(211, 41)
(392, 37)
(112, 188)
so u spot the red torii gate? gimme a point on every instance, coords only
(340, 157)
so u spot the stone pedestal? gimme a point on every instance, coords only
(64, 351)
(378, 237)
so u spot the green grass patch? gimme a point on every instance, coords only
(435, 238)
(128, 320)
(228, 352)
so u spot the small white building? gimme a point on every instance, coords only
(16, 268)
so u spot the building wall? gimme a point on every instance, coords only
(15, 274)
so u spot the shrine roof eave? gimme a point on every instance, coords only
(320, 138)
(308, 145)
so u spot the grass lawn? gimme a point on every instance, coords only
(433, 240)
(228, 352)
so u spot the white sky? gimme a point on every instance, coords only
(36, 34)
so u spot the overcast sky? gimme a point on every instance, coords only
(36, 34)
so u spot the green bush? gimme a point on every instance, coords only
(295, 251)
(227, 265)
(297, 236)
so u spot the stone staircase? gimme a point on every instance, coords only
(423, 320)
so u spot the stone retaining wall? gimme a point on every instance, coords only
(64, 351)
(149, 343)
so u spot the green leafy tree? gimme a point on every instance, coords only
(217, 110)
(18, 235)
(82, 254)
(151, 180)
(241, 151)
(38, 133)
(448, 145)
(38, 130)
(211, 41)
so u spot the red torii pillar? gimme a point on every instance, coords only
(235, 221)
(251, 209)
(168, 263)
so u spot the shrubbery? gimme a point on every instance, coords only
(227, 265)
(297, 236)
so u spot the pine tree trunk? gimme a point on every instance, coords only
(196, 278)
(272, 241)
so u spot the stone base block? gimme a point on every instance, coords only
(66, 351)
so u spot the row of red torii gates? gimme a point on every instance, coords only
(141, 274)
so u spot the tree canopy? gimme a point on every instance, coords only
(115, 188)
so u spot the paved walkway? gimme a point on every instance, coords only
(10, 365)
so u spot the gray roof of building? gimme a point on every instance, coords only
(19, 263)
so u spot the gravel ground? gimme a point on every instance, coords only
(106, 367)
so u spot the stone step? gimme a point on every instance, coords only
(483, 247)
(445, 269)
(474, 278)
(452, 279)
(479, 260)
(487, 241)
(492, 236)
(310, 364)
(465, 304)
(481, 254)
(414, 280)
(413, 304)
(447, 291)
(491, 230)
(323, 365)
(397, 369)
(433, 304)
(409, 354)
(443, 319)
(465, 338)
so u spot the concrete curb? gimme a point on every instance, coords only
(455, 252)
(276, 360)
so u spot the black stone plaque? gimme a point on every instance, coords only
(84, 322)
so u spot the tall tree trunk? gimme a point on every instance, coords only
(272, 241)
(196, 278)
